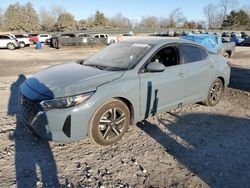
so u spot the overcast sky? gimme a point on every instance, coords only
(133, 9)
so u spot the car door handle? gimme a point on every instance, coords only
(180, 74)
(211, 66)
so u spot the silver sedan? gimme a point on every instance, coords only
(122, 84)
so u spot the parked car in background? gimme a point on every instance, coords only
(7, 41)
(39, 37)
(246, 42)
(124, 83)
(81, 39)
(128, 34)
(237, 40)
(22, 39)
(72, 39)
(213, 43)
(43, 37)
(243, 35)
(225, 36)
(106, 38)
(170, 33)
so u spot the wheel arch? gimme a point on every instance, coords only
(223, 80)
(130, 107)
(10, 43)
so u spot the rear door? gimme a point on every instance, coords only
(4, 40)
(199, 69)
(161, 91)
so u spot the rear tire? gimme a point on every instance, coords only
(11, 46)
(215, 92)
(21, 44)
(109, 123)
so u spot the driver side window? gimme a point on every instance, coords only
(168, 56)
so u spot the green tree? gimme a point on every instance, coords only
(12, 18)
(237, 20)
(82, 24)
(30, 19)
(66, 22)
(100, 20)
(20, 18)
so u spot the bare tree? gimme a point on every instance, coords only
(176, 18)
(210, 12)
(56, 11)
(149, 22)
(246, 8)
(119, 21)
(1, 19)
(47, 19)
(226, 6)
(163, 22)
(50, 16)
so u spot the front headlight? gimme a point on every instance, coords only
(65, 102)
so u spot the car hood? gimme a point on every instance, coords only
(69, 79)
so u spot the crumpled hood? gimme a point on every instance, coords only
(69, 79)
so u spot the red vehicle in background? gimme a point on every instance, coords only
(39, 37)
(33, 38)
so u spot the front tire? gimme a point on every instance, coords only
(11, 46)
(215, 92)
(109, 123)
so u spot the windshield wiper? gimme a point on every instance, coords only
(107, 68)
(101, 67)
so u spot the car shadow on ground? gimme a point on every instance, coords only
(34, 161)
(240, 79)
(213, 147)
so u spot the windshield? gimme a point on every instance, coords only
(119, 56)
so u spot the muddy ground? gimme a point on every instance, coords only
(195, 146)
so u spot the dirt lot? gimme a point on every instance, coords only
(195, 146)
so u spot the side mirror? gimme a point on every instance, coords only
(155, 67)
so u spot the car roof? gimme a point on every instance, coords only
(156, 40)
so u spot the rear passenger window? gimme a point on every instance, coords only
(193, 53)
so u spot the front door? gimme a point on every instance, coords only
(161, 91)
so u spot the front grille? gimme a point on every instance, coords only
(28, 108)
